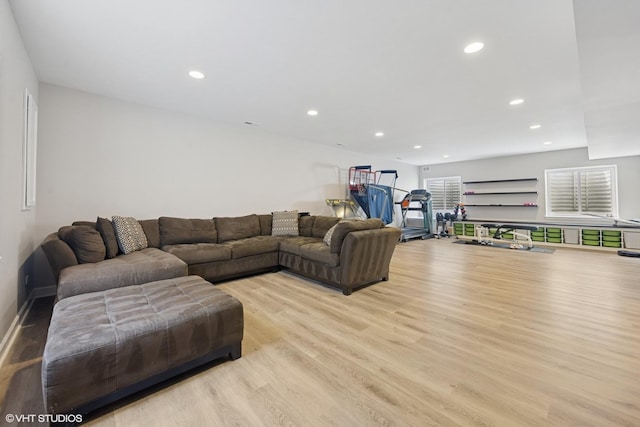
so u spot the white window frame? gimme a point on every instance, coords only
(457, 179)
(612, 169)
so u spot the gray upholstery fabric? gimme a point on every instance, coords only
(320, 252)
(58, 253)
(265, 224)
(196, 253)
(252, 246)
(84, 223)
(86, 242)
(345, 227)
(322, 224)
(101, 342)
(293, 244)
(151, 228)
(364, 259)
(174, 231)
(135, 268)
(105, 228)
(305, 224)
(237, 267)
(239, 227)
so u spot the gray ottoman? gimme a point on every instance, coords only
(105, 345)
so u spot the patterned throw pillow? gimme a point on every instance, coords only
(327, 237)
(285, 223)
(129, 234)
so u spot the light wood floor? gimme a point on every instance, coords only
(460, 336)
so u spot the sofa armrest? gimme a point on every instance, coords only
(58, 253)
(365, 256)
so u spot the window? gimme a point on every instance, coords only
(445, 192)
(582, 191)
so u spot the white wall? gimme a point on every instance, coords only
(533, 166)
(101, 156)
(17, 240)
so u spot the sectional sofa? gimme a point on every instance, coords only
(96, 256)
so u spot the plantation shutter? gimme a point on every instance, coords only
(445, 192)
(580, 191)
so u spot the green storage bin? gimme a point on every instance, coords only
(612, 244)
(537, 234)
(553, 230)
(590, 233)
(469, 230)
(591, 242)
(609, 233)
(554, 239)
(611, 238)
(458, 228)
(537, 238)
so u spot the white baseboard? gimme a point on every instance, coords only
(12, 333)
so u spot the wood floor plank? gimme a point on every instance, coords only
(460, 335)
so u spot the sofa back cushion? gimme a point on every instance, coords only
(265, 224)
(86, 242)
(151, 228)
(239, 227)
(105, 228)
(345, 227)
(174, 231)
(322, 224)
(305, 224)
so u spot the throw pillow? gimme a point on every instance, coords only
(105, 228)
(327, 237)
(86, 243)
(129, 234)
(285, 223)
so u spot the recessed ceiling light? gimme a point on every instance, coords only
(196, 74)
(417, 147)
(379, 133)
(473, 47)
(517, 101)
(535, 126)
(445, 155)
(312, 112)
(547, 143)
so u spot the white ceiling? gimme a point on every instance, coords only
(365, 65)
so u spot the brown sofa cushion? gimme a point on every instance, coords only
(346, 227)
(86, 242)
(182, 230)
(253, 246)
(305, 224)
(151, 228)
(321, 253)
(197, 253)
(236, 228)
(105, 228)
(265, 224)
(322, 224)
